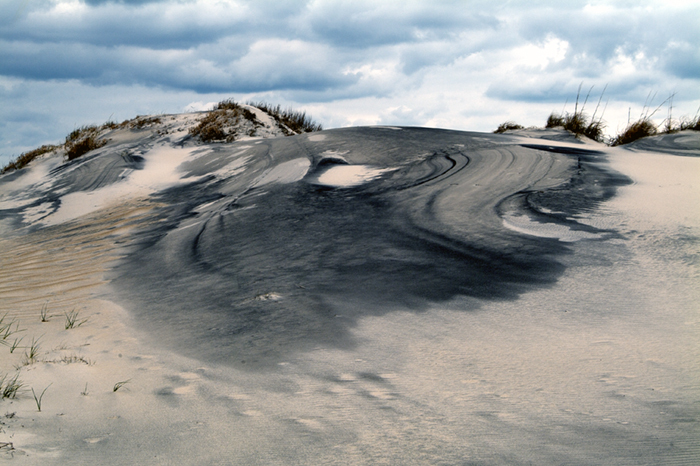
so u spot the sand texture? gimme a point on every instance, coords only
(375, 295)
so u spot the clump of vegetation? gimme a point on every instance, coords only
(72, 320)
(639, 129)
(291, 121)
(82, 140)
(141, 122)
(9, 386)
(578, 122)
(6, 328)
(554, 120)
(507, 126)
(672, 126)
(692, 124)
(31, 354)
(644, 126)
(24, 159)
(219, 124)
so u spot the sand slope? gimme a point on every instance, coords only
(354, 296)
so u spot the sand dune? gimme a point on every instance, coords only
(354, 296)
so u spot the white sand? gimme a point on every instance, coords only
(613, 347)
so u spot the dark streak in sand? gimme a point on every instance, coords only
(279, 268)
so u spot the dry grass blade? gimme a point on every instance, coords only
(119, 385)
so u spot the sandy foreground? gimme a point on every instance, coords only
(601, 367)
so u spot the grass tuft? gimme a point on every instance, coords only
(45, 312)
(24, 159)
(639, 129)
(72, 319)
(692, 124)
(142, 122)
(578, 122)
(82, 140)
(38, 399)
(32, 352)
(507, 126)
(15, 344)
(216, 125)
(291, 121)
(10, 386)
(554, 120)
(6, 330)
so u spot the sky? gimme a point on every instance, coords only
(466, 65)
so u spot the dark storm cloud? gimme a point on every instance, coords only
(451, 63)
(324, 46)
(243, 47)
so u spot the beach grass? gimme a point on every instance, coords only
(295, 121)
(9, 386)
(15, 344)
(577, 122)
(38, 399)
(119, 385)
(507, 126)
(641, 128)
(26, 157)
(219, 124)
(72, 319)
(83, 140)
(32, 352)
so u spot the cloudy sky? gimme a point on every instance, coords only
(466, 65)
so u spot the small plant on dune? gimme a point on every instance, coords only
(685, 123)
(507, 126)
(6, 330)
(82, 140)
(85, 391)
(119, 385)
(216, 125)
(692, 124)
(291, 121)
(578, 122)
(15, 344)
(45, 312)
(38, 399)
(72, 359)
(10, 386)
(72, 319)
(643, 126)
(31, 353)
(554, 120)
(142, 121)
(24, 159)
(634, 131)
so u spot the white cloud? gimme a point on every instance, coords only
(409, 62)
